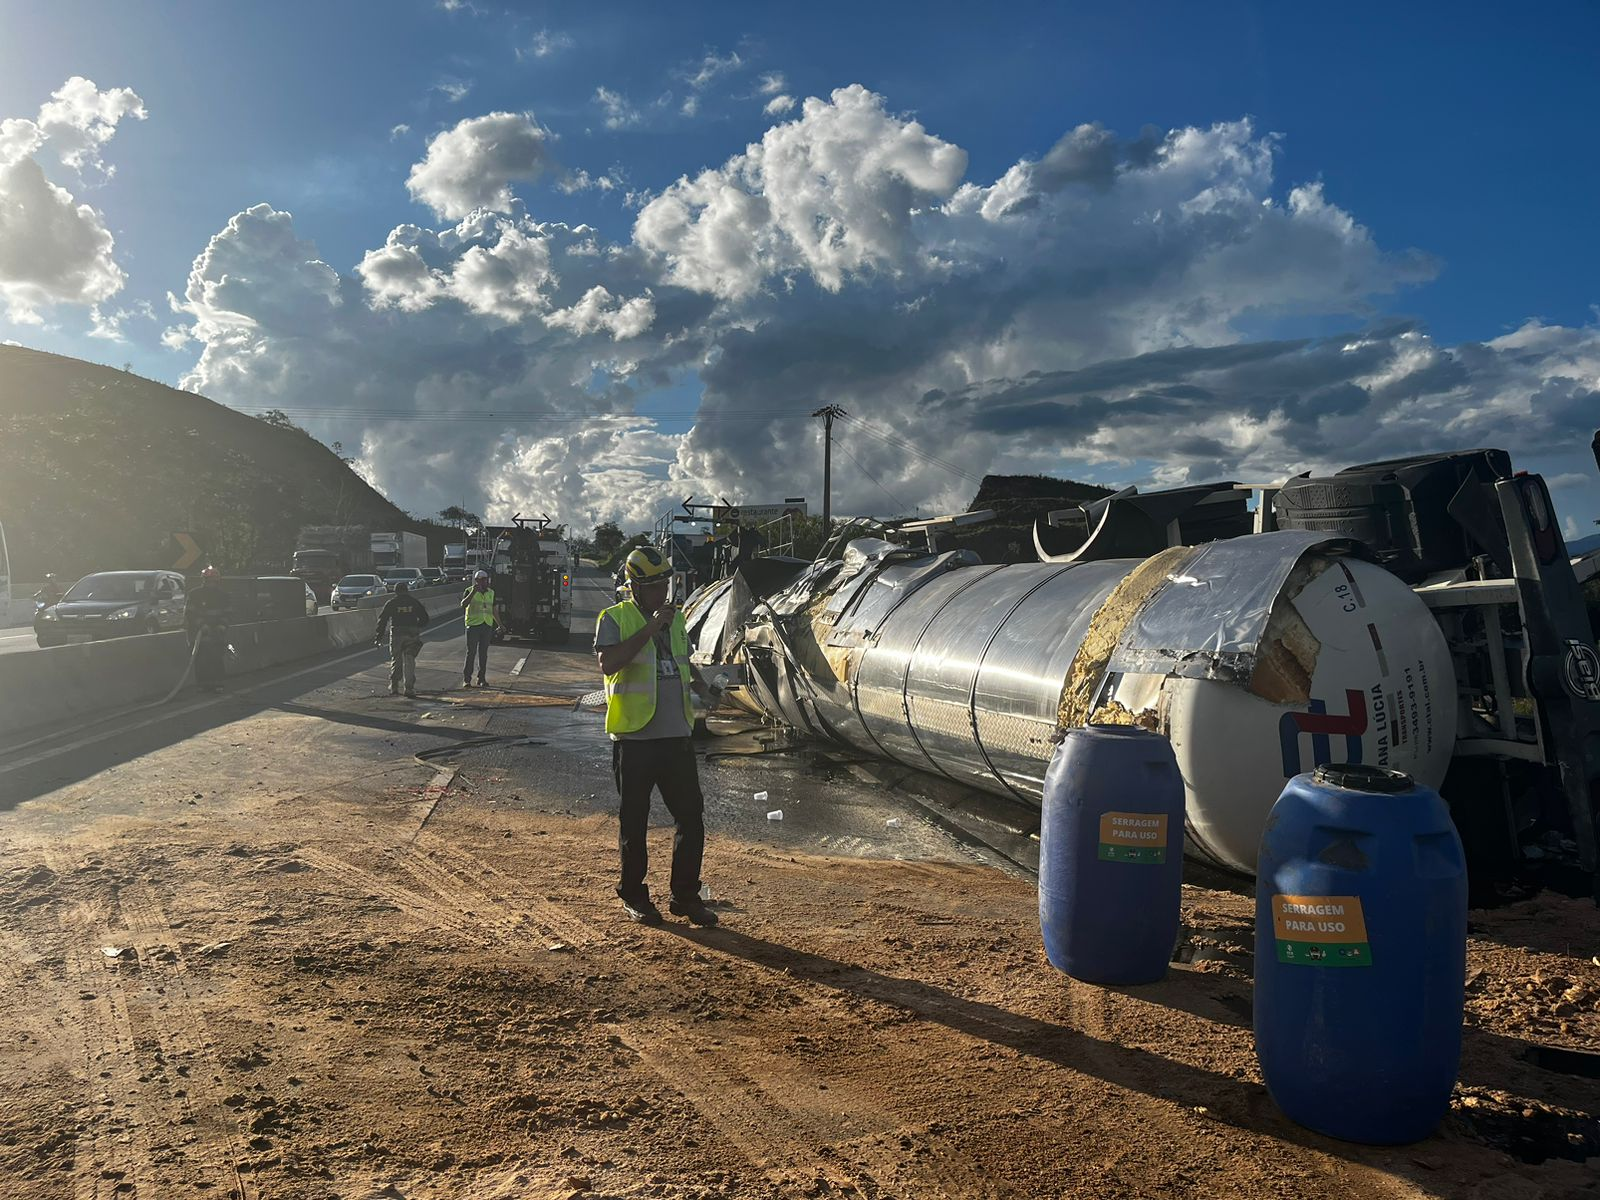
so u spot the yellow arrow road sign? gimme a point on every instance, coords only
(190, 551)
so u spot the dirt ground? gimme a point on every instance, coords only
(382, 990)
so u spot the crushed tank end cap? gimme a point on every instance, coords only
(1358, 777)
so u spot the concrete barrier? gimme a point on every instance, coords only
(47, 686)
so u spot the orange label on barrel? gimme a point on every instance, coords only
(1318, 919)
(1133, 829)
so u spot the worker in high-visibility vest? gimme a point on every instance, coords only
(643, 649)
(477, 604)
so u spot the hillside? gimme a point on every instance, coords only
(98, 468)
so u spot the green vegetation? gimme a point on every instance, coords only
(98, 468)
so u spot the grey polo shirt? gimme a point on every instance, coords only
(668, 720)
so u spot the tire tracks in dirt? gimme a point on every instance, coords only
(120, 1154)
(186, 1040)
(21, 976)
(129, 1036)
(777, 1123)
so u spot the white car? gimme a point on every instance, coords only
(353, 589)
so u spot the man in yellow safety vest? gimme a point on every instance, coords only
(643, 650)
(477, 603)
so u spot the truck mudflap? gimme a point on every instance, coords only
(1563, 668)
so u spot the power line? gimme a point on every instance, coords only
(911, 448)
(899, 504)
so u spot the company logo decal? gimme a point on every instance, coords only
(1322, 726)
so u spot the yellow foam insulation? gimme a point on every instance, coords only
(1105, 630)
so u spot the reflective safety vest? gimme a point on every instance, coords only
(480, 607)
(631, 692)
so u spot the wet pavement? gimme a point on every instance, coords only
(325, 721)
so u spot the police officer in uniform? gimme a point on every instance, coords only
(405, 618)
(643, 650)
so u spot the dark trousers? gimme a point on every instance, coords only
(641, 768)
(404, 646)
(478, 639)
(209, 655)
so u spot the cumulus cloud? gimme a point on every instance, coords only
(600, 310)
(497, 312)
(473, 164)
(778, 105)
(79, 119)
(1083, 314)
(582, 181)
(834, 193)
(53, 248)
(107, 324)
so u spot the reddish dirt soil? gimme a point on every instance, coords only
(324, 999)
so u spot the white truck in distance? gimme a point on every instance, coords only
(399, 550)
(455, 561)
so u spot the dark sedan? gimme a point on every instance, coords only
(111, 604)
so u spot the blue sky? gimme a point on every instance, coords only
(1462, 132)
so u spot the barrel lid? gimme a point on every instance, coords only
(1358, 777)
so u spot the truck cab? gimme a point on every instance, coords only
(531, 573)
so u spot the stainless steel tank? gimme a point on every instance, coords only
(1258, 657)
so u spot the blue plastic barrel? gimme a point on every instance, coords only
(1361, 953)
(1111, 855)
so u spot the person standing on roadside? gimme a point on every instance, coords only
(405, 618)
(643, 650)
(478, 605)
(206, 613)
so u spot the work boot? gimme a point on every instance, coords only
(467, 682)
(642, 911)
(393, 691)
(411, 695)
(482, 682)
(694, 910)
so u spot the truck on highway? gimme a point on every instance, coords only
(531, 574)
(399, 550)
(455, 562)
(326, 553)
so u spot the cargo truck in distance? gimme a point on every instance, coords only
(530, 570)
(455, 562)
(324, 554)
(391, 550)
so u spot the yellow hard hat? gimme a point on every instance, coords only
(647, 563)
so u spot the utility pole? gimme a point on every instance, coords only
(828, 412)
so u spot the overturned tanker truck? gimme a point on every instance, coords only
(1422, 614)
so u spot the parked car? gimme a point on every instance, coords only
(353, 589)
(412, 577)
(111, 604)
(434, 575)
